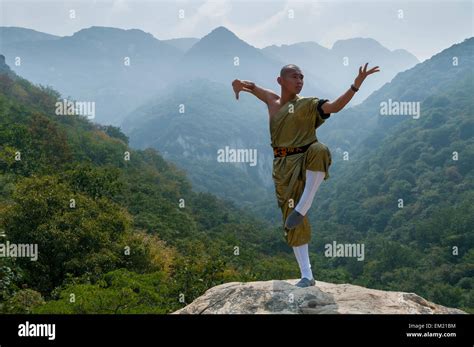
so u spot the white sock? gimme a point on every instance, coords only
(302, 256)
(313, 180)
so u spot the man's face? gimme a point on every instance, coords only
(292, 81)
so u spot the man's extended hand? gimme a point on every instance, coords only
(239, 86)
(363, 73)
(342, 101)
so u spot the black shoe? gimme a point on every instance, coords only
(304, 282)
(293, 220)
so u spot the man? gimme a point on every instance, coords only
(300, 162)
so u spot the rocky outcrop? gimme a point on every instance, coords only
(4, 68)
(282, 297)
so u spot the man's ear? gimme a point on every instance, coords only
(279, 80)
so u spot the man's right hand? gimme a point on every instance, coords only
(266, 95)
(239, 86)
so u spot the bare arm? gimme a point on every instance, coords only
(343, 100)
(263, 94)
(339, 103)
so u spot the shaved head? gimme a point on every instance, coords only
(289, 68)
(291, 79)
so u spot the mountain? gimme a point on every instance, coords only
(183, 44)
(365, 124)
(9, 35)
(271, 297)
(120, 70)
(221, 56)
(211, 122)
(327, 68)
(115, 68)
(309, 56)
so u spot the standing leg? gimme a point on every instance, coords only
(302, 256)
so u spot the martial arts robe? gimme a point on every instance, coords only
(294, 126)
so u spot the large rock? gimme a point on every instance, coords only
(284, 298)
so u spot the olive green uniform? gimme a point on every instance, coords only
(294, 126)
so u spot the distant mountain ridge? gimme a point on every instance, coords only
(122, 69)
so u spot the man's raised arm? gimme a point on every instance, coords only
(263, 94)
(343, 100)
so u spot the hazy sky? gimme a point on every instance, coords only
(422, 27)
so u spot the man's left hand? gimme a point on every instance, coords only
(363, 73)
